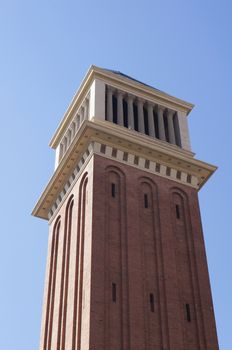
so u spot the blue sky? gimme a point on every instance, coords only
(181, 47)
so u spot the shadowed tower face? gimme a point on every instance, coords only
(126, 265)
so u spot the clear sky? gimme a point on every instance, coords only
(179, 46)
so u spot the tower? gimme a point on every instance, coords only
(126, 267)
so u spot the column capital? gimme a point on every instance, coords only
(162, 108)
(170, 112)
(110, 89)
(120, 92)
(130, 97)
(140, 100)
(84, 104)
(150, 105)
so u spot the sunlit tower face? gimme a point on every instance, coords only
(126, 264)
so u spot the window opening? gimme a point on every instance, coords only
(146, 126)
(136, 160)
(135, 110)
(166, 126)
(125, 113)
(178, 174)
(168, 171)
(114, 294)
(188, 312)
(147, 164)
(177, 211)
(152, 305)
(115, 119)
(114, 152)
(189, 178)
(125, 156)
(103, 149)
(157, 167)
(113, 190)
(155, 116)
(145, 200)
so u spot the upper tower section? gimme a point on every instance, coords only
(115, 116)
(112, 97)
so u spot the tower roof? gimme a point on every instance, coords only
(131, 78)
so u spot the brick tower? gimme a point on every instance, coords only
(126, 266)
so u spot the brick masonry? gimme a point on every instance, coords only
(134, 271)
(148, 251)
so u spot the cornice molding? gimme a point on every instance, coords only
(127, 141)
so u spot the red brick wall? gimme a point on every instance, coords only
(144, 252)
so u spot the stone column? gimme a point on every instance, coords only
(161, 123)
(69, 136)
(73, 129)
(86, 109)
(151, 125)
(65, 143)
(81, 114)
(120, 109)
(171, 131)
(109, 115)
(140, 116)
(61, 151)
(78, 121)
(130, 112)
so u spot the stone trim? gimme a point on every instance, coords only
(145, 164)
(123, 157)
(80, 115)
(71, 181)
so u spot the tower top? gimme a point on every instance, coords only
(118, 117)
(123, 82)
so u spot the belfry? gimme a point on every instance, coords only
(126, 266)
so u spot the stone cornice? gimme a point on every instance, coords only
(143, 90)
(124, 140)
(120, 82)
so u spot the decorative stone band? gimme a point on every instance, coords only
(145, 164)
(71, 181)
(123, 157)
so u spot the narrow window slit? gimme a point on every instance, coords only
(189, 178)
(125, 113)
(145, 200)
(188, 312)
(114, 152)
(168, 171)
(178, 174)
(114, 292)
(177, 211)
(115, 120)
(146, 126)
(136, 160)
(147, 164)
(152, 306)
(113, 190)
(125, 156)
(157, 167)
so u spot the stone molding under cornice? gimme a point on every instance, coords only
(164, 160)
(122, 157)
